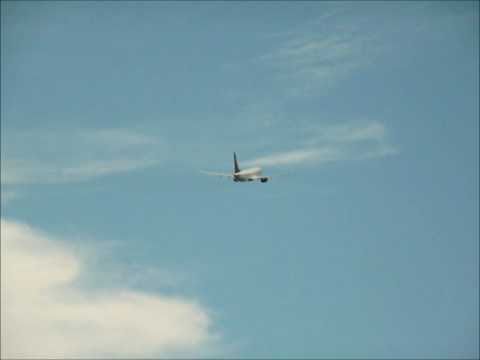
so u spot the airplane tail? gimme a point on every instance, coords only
(235, 163)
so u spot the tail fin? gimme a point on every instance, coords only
(235, 163)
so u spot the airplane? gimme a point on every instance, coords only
(237, 175)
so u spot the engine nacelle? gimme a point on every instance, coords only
(264, 180)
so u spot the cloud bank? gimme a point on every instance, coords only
(45, 315)
(333, 143)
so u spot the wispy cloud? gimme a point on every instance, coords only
(42, 157)
(294, 157)
(333, 143)
(323, 60)
(348, 133)
(45, 314)
(105, 167)
(322, 52)
(350, 36)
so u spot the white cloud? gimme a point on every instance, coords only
(300, 156)
(333, 143)
(322, 52)
(100, 168)
(350, 36)
(46, 315)
(60, 157)
(374, 131)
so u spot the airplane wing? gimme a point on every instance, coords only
(217, 174)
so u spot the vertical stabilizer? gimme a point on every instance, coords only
(236, 168)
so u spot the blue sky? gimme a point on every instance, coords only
(363, 245)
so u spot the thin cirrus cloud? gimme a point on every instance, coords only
(296, 157)
(349, 37)
(333, 143)
(39, 157)
(46, 315)
(323, 52)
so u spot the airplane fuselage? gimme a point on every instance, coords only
(247, 174)
(239, 175)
